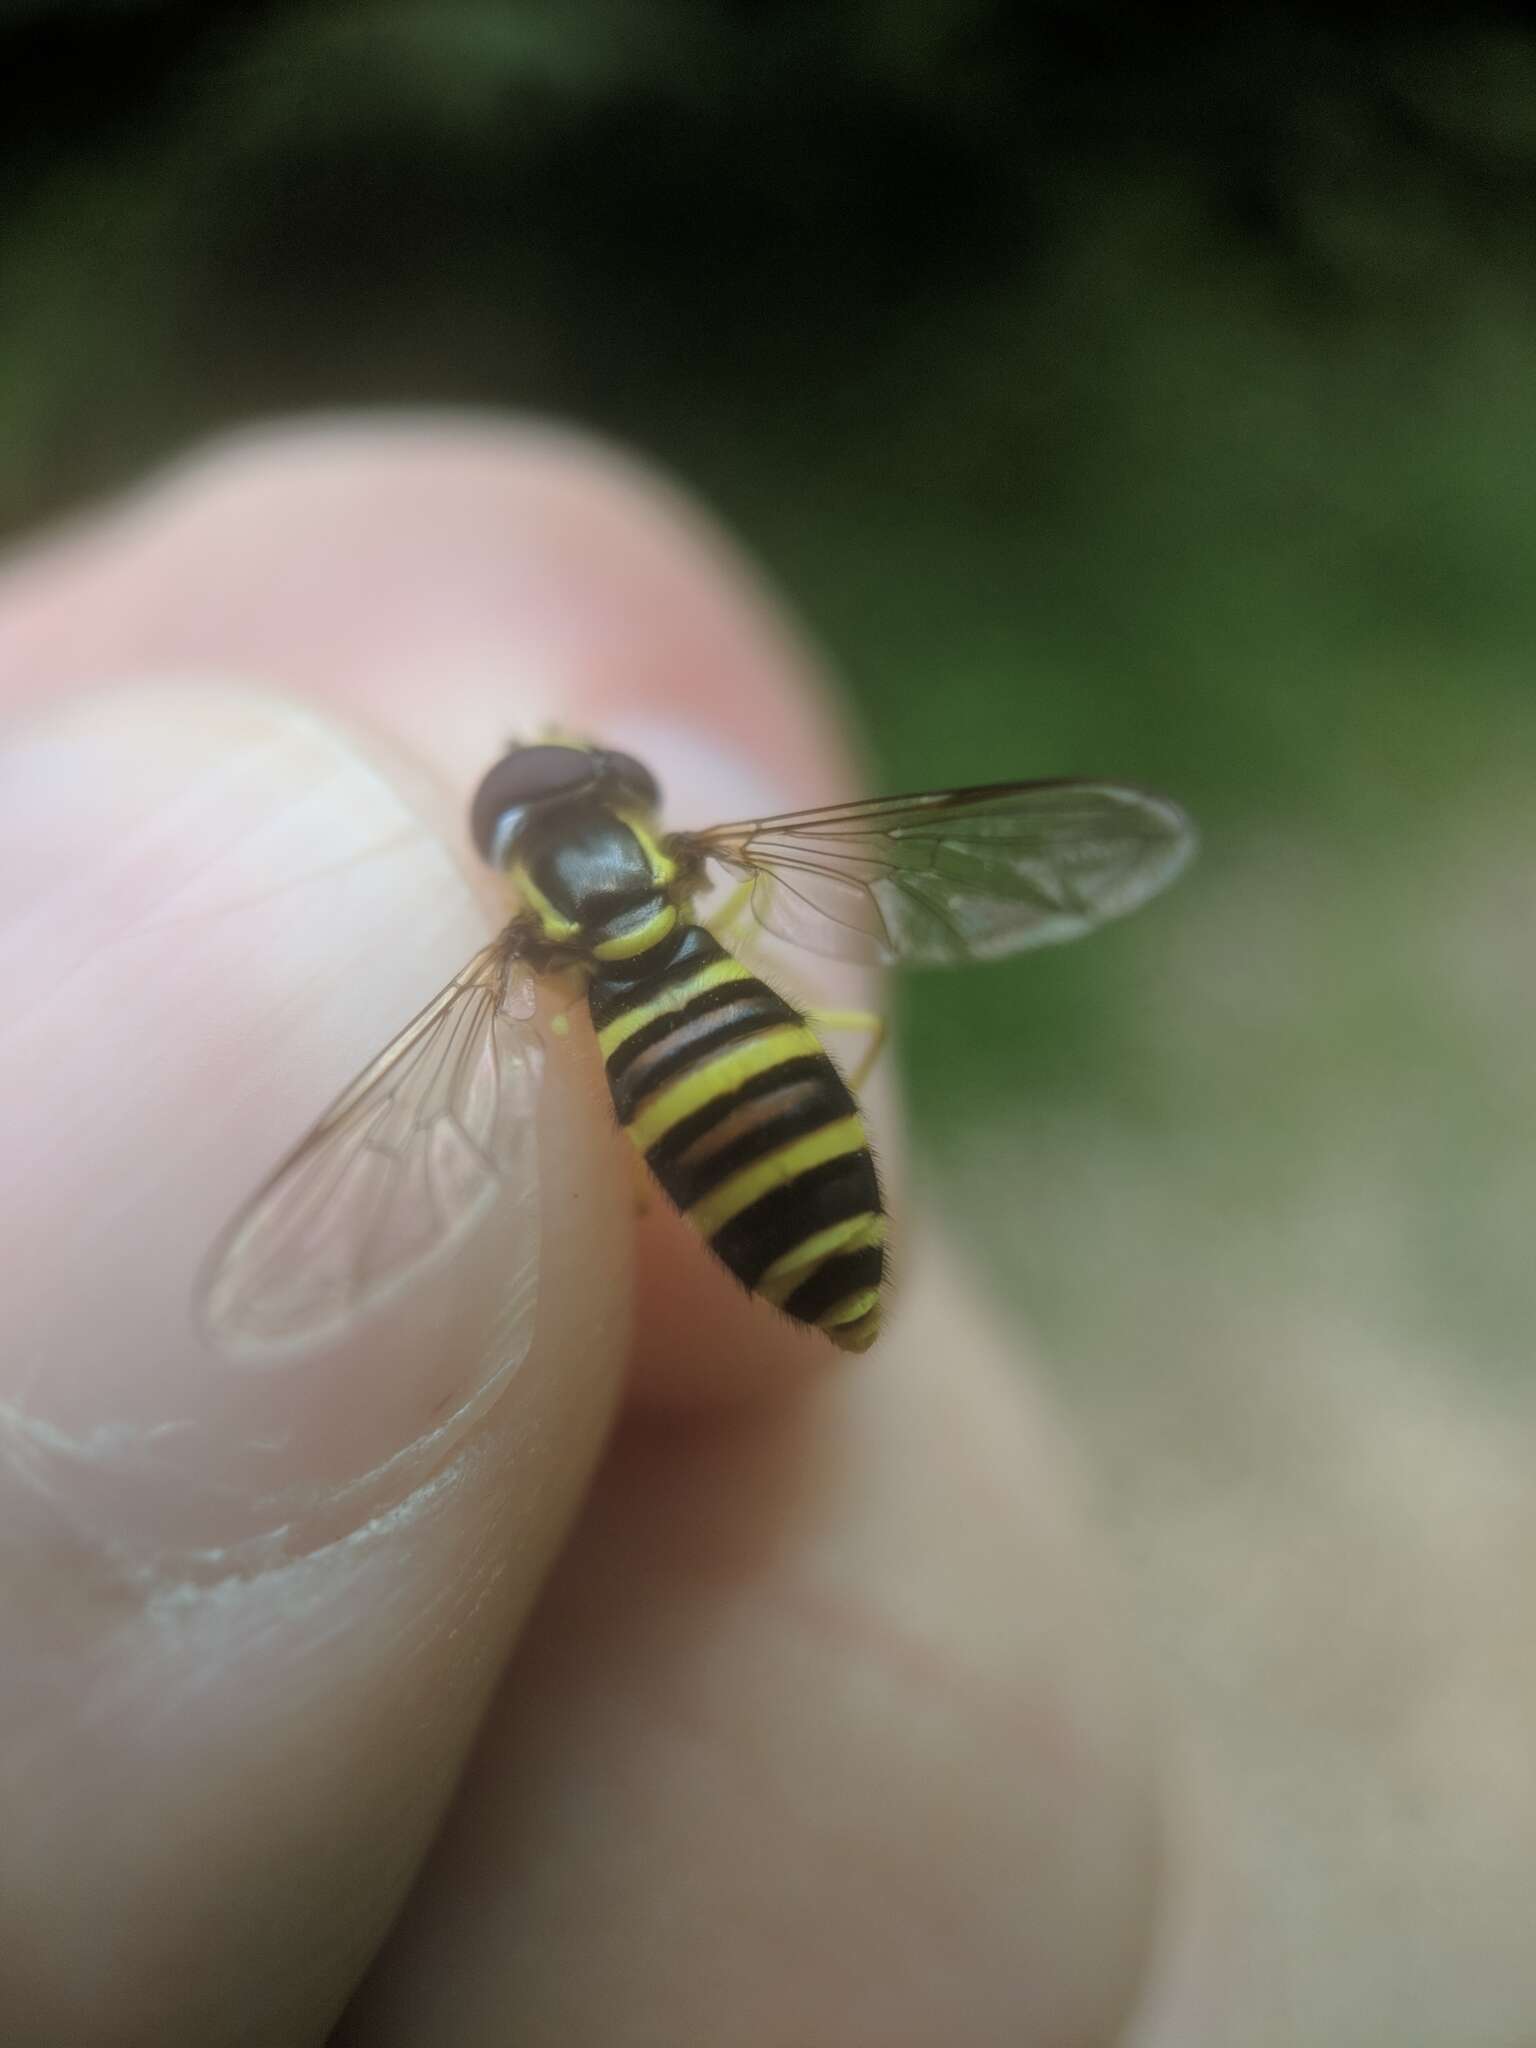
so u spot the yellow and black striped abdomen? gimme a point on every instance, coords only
(750, 1129)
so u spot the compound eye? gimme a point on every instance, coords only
(527, 776)
(633, 778)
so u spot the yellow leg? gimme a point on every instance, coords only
(730, 923)
(560, 1020)
(853, 1020)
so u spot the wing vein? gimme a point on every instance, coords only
(376, 1189)
(949, 876)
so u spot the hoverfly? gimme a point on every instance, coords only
(721, 1083)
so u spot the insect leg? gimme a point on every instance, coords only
(732, 913)
(575, 985)
(853, 1020)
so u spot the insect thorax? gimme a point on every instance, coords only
(599, 885)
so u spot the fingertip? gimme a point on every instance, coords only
(218, 909)
(278, 1595)
(433, 574)
(441, 582)
(198, 893)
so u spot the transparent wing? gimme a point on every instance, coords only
(956, 875)
(394, 1173)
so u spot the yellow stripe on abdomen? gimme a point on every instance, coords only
(750, 1130)
(719, 1076)
(750, 1183)
(858, 1233)
(676, 996)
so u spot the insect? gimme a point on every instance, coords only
(721, 1083)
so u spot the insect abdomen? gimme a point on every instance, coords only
(750, 1129)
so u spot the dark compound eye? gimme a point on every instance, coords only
(530, 775)
(633, 778)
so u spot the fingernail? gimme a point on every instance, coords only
(214, 910)
(704, 780)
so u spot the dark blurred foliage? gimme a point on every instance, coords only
(620, 207)
(1115, 392)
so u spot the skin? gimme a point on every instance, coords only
(692, 1683)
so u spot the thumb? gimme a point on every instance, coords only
(250, 1618)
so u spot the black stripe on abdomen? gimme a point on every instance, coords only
(614, 991)
(834, 1280)
(669, 1046)
(737, 1137)
(834, 1193)
(707, 1148)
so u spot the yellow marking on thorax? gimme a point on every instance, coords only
(857, 1234)
(677, 997)
(776, 1170)
(557, 928)
(663, 867)
(641, 940)
(722, 1075)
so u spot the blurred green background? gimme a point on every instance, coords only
(1109, 397)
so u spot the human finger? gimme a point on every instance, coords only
(253, 1618)
(829, 1728)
